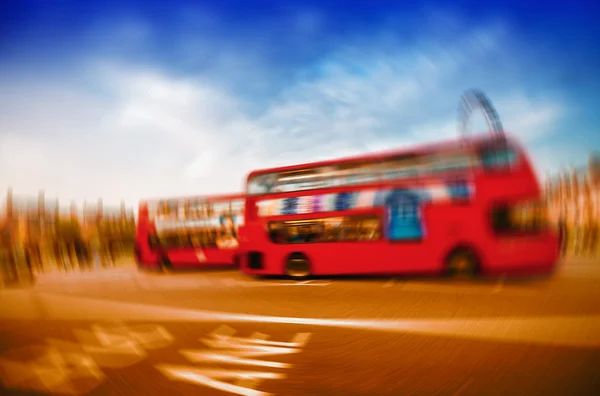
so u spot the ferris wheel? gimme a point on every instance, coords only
(475, 99)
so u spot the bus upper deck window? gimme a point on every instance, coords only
(498, 158)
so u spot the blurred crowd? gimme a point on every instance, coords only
(34, 258)
(573, 200)
(36, 237)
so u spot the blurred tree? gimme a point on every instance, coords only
(117, 229)
(69, 231)
(594, 169)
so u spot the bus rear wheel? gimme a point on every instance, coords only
(297, 266)
(462, 263)
(164, 266)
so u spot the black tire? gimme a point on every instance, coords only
(138, 259)
(297, 266)
(462, 263)
(165, 266)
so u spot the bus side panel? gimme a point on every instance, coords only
(343, 258)
(201, 257)
(513, 256)
(448, 226)
(374, 257)
(525, 255)
(382, 257)
(339, 258)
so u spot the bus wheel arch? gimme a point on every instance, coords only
(297, 265)
(463, 259)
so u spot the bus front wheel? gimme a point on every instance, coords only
(164, 266)
(297, 266)
(462, 263)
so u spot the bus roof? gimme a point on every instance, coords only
(427, 148)
(206, 198)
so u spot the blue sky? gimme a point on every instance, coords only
(129, 100)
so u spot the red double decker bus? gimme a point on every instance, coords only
(464, 206)
(189, 232)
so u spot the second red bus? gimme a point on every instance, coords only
(189, 232)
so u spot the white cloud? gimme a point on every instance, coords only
(154, 134)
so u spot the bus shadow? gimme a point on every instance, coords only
(420, 278)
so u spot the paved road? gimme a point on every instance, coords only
(218, 333)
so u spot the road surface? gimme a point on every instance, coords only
(119, 331)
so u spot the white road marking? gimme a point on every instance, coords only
(149, 282)
(259, 339)
(229, 282)
(234, 350)
(305, 283)
(194, 356)
(175, 283)
(171, 283)
(110, 350)
(463, 387)
(143, 282)
(277, 284)
(390, 283)
(499, 285)
(65, 367)
(458, 289)
(210, 378)
(52, 371)
(156, 338)
(575, 331)
(584, 272)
